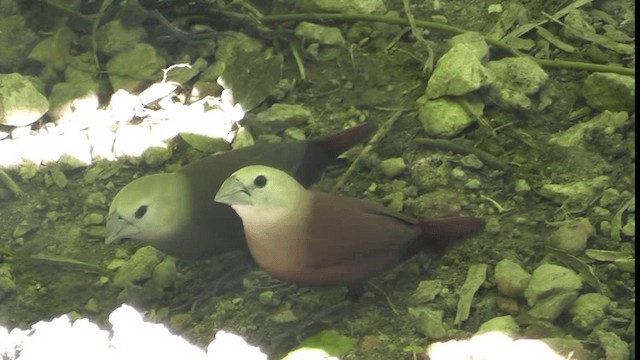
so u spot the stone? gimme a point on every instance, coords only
(589, 310)
(608, 91)
(392, 167)
(113, 37)
(504, 324)
(426, 291)
(21, 103)
(134, 67)
(164, 274)
(138, 268)
(512, 280)
(428, 321)
(548, 279)
(552, 306)
(516, 78)
(281, 116)
(324, 35)
(572, 236)
(443, 117)
(457, 72)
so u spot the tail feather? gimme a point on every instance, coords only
(439, 233)
(340, 142)
(324, 151)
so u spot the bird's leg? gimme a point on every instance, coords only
(230, 280)
(297, 331)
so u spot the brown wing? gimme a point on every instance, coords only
(351, 240)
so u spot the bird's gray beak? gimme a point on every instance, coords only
(233, 192)
(118, 229)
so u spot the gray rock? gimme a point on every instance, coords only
(93, 219)
(426, 291)
(568, 348)
(576, 21)
(395, 201)
(392, 167)
(614, 347)
(552, 306)
(474, 41)
(443, 117)
(23, 229)
(572, 236)
(522, 186)
(54, 50)
(138, 268)
(28, 171)
(580, 134)
(243, 139)
(164, 274)
(608, 91)
(504, 324)
(610, 196)
(458, 173)
(227, 46)
(283, 317)
(512, 280)
(269, 298)
(296, 134)
(471, 161)
(95, 200)
(281, 116)
(516, 78)
(58, 177)
(113, 38)
(577, 195)
(457, 72)
(589, 310)
(130, 69)
(549, 279)
(78, 85)
(324, 35)
(629, 228)
(473, 184)
(21, 103)
(158, 155)
(16, 40)
(428, 321)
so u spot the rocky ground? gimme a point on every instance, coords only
(530, 125)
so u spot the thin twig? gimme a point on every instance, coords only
(464, 149)
(382, 131)
(575, 65)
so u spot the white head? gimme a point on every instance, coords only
(148, 208)
(258, 185)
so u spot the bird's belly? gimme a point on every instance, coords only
(283, 258)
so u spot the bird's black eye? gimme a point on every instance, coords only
(141, 211)
(260, 181)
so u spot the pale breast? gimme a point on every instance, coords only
(277, 243)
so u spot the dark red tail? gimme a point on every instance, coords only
(439, 233)
(340, 142)
(322, 152)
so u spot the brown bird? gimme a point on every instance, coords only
(315, 238)
(174, 213)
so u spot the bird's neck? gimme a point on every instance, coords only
(274, 233)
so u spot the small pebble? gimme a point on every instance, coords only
(392, 167)
(458, 174)
(522, 186)
(473, 184)
(471, 161)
